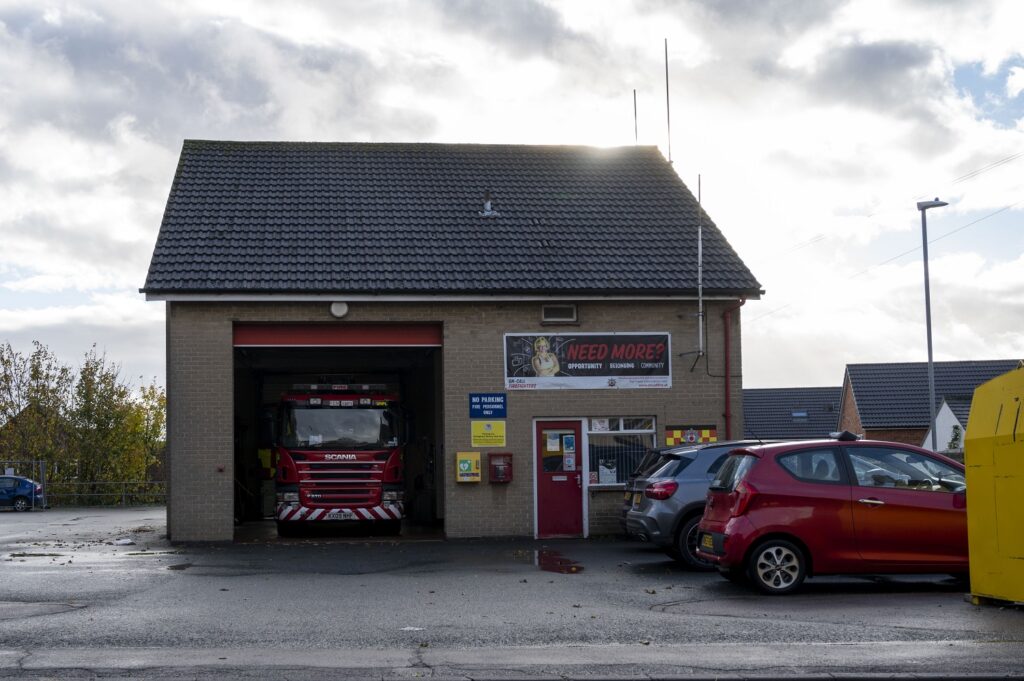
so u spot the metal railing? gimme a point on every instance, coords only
(106, 493)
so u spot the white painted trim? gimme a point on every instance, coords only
(583, 447)
(533, 458)
(585, 453)
(364, 298)
(338, 345)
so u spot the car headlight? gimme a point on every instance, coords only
(285, 497)
(392, 496)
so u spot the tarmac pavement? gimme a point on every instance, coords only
(75, 602)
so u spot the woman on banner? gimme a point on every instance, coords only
(545, 363)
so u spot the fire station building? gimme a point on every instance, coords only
(545, 315)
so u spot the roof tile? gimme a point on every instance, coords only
(336, 217)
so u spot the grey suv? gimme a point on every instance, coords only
(668, 499)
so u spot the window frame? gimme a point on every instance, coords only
(855, 480)
(838, 458)
(546, 318)
(653, 432)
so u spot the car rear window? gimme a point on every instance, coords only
(649, 461)
(672, 465)
(732, 471)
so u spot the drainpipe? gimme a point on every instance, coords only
(727, 323)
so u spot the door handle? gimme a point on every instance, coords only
(579, 480)
(872, 502)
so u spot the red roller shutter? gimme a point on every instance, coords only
(337, 335)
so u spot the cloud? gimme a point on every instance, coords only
(815, 126)
(1015, 82)
(129, 330)
(889, 76)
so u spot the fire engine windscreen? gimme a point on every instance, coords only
(341, 429)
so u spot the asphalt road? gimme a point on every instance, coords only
(76, 603)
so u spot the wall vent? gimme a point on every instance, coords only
(564, 313)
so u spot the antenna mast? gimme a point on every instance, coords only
(636, 130)
(668, 113)
(700, 273)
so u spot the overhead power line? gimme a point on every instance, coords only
(908, 252)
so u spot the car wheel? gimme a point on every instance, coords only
(21, 504)
(686, 546)
(777, 567)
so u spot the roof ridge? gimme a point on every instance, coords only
(340, 143)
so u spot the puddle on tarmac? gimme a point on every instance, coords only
(548, 560)
(553, 561)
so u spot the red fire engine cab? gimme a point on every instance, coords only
(338, 456)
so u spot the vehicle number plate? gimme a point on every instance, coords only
(340, 515)
(706, 541)
(636, 498)
(628, 495)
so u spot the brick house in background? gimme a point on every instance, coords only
(790, 413)
(890, 401)
(444, 265)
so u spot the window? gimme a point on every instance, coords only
(901, 468)
(713, 468)
(732, 472)
(617, 445)
(814, 465)
(558, 314)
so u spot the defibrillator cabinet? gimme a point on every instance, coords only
(994, 457)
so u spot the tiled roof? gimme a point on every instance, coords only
(790, 413)
(896, 395)
(960, 406)
(283, 217)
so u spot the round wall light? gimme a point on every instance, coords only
(339, 310)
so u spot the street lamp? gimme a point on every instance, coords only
(924, 206)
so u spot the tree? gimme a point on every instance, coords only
(34, 393)
(106, 423)
(92, 426)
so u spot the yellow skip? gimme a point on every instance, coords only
(994, 456)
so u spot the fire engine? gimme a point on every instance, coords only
(338, 456)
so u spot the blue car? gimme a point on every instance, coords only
(19, 493)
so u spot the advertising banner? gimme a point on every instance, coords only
(587, 361)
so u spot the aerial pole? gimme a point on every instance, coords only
(668, 113)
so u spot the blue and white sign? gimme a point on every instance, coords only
(487, 406)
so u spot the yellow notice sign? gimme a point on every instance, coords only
(467, 467)
(488, 433)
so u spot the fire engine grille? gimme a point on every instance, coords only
(341, 483)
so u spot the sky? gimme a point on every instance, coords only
(815, 126)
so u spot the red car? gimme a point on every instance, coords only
(778, 513)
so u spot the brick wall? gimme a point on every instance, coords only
(909, 436)
(200, 422)
(849, 417)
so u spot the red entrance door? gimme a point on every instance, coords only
(559, 479)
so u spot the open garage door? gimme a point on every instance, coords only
(271, 359)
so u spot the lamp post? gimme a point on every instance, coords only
(924, 206)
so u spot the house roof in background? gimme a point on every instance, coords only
(895, 395)
(289, 217)
(783, 413)
(960, 406)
